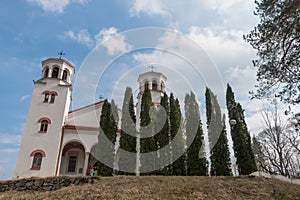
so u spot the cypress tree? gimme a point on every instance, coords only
(127, 140)
(147, 144)
(214, 118)
(252, 165)
(196, 162)
(178, 167)
(240, 135)
(220, 156)
(105, 150)
(162, 136)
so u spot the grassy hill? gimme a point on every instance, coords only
(152, 187)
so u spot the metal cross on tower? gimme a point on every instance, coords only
(151, 67)
(61, 53)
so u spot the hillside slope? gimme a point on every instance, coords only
(123, 187)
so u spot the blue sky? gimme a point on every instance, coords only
(33, 30)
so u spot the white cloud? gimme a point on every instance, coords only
(148, 7)
(242, 79)
(219, 5)
(56, 6)
(106, 34)
(10, 139)
(221, 44)
(82, 37)
(231, 55)
(182, 14)
(113, 41)
(25, 65)
(9, 150)
(24, 97)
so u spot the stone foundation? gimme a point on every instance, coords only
(45, 184)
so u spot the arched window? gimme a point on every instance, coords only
(37, 159)
(65, 75)
(49, 95)
(55, 72)
(46, 72)
(146, 84)
(52, 98)
(44, 124)
(154, 85)
(46, 98)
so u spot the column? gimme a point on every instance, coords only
(86, 162)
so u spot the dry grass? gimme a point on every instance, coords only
(145, 188)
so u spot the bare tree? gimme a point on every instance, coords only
(277, 154)
(294, 132)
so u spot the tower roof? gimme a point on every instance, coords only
(57, 60)
(152, 75)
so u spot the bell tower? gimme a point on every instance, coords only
(155, 81)
(49, 106)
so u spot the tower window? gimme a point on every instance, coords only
(154, 85)
(46, 72)
(65, 75)
(146, 84)
(49, 95)
(52, 98)
(46, 98)
(55, 72)
(44, 124)
(37, 159)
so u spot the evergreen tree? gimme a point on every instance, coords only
(196, 162)
(147, 144)
(162, 136)
(240, 135)
(178, 167)
(276, 39)
(220, 156)
(214, 118)
(128, 140)
(105, 150)
(114, 111)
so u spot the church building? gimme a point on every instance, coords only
(57, 141)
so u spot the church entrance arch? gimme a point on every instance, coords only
(72, 160)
